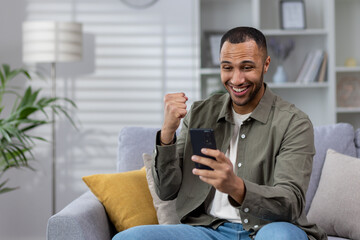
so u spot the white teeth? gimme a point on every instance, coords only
(238, 89)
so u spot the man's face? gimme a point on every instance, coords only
(242, 73)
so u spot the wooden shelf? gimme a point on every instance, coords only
(280, 32)
(342, 69)
(209, 71)
(298, 85)
(348, 110)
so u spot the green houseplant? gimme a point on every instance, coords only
(16, 140)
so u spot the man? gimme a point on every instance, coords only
(259, 179)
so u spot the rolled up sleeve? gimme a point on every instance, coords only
(166, 168)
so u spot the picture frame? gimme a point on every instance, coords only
(347, 89)
(211, 50)
(292, 14)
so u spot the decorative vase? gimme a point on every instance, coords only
(280, 75)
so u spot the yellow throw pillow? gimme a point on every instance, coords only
(125, 196)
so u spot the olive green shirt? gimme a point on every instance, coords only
(274, 158)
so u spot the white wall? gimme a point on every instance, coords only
(24, 212)
(12, 14)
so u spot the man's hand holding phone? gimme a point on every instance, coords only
(213, 167)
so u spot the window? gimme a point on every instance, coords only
(132, 57)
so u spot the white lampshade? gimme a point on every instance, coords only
(47, 41)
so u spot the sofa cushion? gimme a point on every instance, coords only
(125, 196)
(339, 137)
(335, 207)
(165, 210)
(83, 218)
(133, 142)
(357, 142)
(336, 238)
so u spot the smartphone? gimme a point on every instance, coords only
(202, 138)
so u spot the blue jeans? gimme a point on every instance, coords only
(227, 231)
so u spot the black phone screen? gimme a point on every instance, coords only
(202, 138)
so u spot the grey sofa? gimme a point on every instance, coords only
(85, 217)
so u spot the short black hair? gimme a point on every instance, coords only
(244, 34)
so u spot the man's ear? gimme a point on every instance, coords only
(267, 64)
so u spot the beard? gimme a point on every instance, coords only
(257, 86)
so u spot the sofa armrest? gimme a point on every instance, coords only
(84, 218)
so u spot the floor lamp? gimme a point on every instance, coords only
(52, 42)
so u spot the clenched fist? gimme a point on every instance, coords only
(175, 110)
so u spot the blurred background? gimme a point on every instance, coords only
(136, 51)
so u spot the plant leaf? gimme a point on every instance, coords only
(11, 74)
(12, 131)
(5, 158)
(26, 111)
(39, 138)
(61, 109)
(14, 156)
(17, 154)
(26, 97)
(2, 79)
(33, 124)
(6, 68)
(5, 134)
(13, 92)
(73, 104)
(6, 189)
(15, 142)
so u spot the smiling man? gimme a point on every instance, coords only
(257, 187)
(242, 72)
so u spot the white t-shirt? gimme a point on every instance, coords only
(220, 206)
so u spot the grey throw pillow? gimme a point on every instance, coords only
(335, 207)
(324, 139)
(165, 210)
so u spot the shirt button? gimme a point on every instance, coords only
(239, 164)
(246, 220)
(242, 136)
(246, 210)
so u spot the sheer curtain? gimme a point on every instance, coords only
(132, 58)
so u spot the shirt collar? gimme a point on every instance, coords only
(226, 109)
(260, 113)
